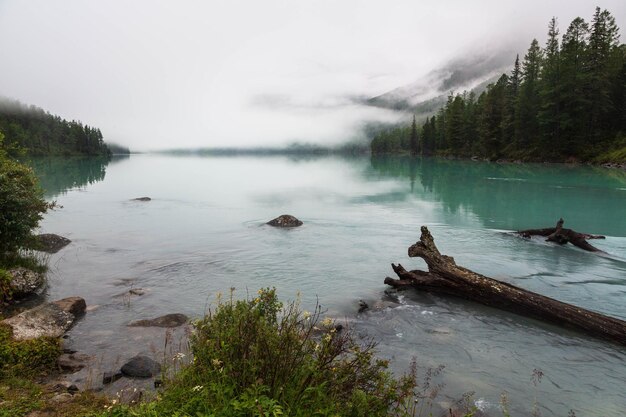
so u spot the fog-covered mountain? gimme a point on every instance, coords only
(426, 95)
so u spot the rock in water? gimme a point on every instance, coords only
(49, 319)
(110, 377)
(75, 305)
(142, 199)
(52, 243)
(285, 220)
(141, 367)
(168, 320)
(73, 362)
(24, 282)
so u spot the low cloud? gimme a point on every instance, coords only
(162, 74)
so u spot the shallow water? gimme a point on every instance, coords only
(203, 232)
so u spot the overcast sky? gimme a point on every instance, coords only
(162, 74)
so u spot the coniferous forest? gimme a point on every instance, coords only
(41, 133)
(563, 101)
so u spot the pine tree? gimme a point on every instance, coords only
(603, 39)
(573, 82)
(454, 125)
(490, 124)
(512, 93)
(413, 138)
(549, 115)
(527, 128)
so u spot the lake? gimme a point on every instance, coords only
(203, 233)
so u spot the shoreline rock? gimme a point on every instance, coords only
(73, 362)
(24, 282)
(168, 320)
(285, 220)
(49, 319)
(141, 367)
(51, 243)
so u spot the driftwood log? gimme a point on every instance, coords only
(563, 236)
(446, 277)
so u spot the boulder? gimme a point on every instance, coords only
(24, 282)
(51, 243)
(285, 220)
(73, 362)
(49, 319)
(168, 320)
(74, 305)
(110, 377)
(141, 367)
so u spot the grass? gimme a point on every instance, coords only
(26, 357)
(20, 396)
(24, 259)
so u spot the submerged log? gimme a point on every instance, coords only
(563, 236)
(446, 277)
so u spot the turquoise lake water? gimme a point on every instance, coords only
(203, 233)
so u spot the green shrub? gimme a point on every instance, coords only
(259, 358)
(21, 203)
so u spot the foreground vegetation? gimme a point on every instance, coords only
(259, 358)
(23, 206)
(252, 357)
(564, 101)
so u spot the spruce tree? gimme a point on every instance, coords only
(603, 39)
(528, 101)
(573, 84)
(549, 115)
(413, 138)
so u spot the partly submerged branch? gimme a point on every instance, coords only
(563, 236)
(446, 277)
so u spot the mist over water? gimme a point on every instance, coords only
(203, 232)
(161, 74)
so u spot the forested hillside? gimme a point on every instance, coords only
(564, 101)
(41, 133)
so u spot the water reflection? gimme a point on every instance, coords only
(57, 175)
(511, 196)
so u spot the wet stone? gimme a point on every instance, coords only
(141, 367)
(110, 377)
(168, 320)
(285, 220)
(73, 362)
(24, 282)
(51, 243)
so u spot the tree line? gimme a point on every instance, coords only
(564, 101)
(38, 132)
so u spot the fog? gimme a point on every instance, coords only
(165, 74)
